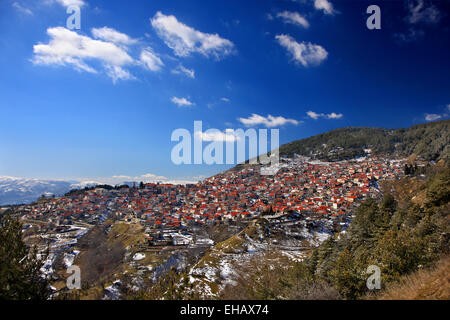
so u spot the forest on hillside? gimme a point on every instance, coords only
(430, 141)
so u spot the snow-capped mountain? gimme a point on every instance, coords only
(25, 190)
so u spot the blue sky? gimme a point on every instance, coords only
(102, 101)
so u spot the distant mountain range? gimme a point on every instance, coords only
(22, 190)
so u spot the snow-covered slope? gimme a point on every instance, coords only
(23, 190)
(220, 266)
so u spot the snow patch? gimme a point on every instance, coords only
(138, 256)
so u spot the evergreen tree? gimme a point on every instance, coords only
(346, 277)
(20, 276)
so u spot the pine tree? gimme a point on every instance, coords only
(20, 276)
(347, 278)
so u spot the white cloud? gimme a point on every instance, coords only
(118, 73)
(420, 12)
(184, 40)
(293, 18)
(109, 52)
(151, 176)
(334, 115)
(306, 53)
(67, 47)
(269, 121)
(182, 102)
(315, 115)
(210, 105)
(410, 36)
(432, 116)
(180, 69)
(324, 5)
(435, 116)
(22, 9)
(215, 135)
(150, 60)
(114, 36)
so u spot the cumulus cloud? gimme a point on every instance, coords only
(293, 18)
(313, 115)
(332, 115)
(182, 102)
(114, 36)
(225, 99)
(150, 60)
(436, 116)
(118, 73)
(215, 135)
(22, 9)
(67, 47)
(419, 11)
(108, 51)
(325, 6)
(180, 69)
(432, 116)
(305, 53)
(269, 121)
(184, 40)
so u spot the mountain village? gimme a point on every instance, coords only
(304, 196)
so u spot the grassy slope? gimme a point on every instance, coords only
(429, 284)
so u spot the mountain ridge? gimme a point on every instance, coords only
(429, 141)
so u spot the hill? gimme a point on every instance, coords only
(430, 141)
(406, 235)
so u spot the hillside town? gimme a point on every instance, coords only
(170, 213)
